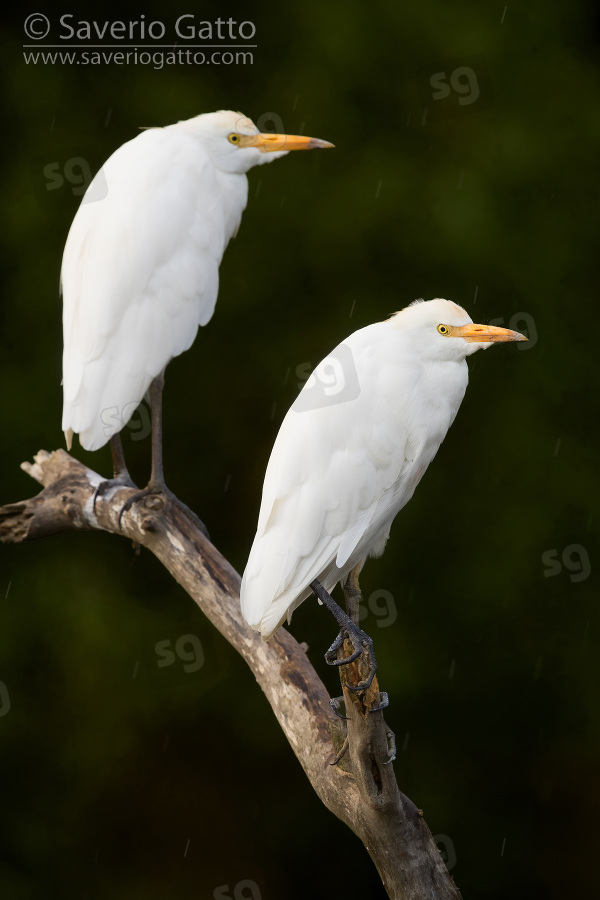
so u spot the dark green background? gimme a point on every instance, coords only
(110, 765)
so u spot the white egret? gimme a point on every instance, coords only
(140, 269)
(349, 455)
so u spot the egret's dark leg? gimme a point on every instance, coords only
(157, 485)
(121, 476)
(352, 594)
(368, 689)
(350, 631)
(157, 478)
(119, 466)
(353, 597)
(384, 702)
(335, 705)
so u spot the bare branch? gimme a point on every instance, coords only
(362, 791)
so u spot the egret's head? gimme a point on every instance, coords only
(235, 144)
(442, 330)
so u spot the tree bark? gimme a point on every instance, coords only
(362, 790)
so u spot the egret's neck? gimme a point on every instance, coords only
(234, 197)
(445, 383)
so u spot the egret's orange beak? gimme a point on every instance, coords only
(485, 334)
(268, 143)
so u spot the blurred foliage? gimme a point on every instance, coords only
(117, 781)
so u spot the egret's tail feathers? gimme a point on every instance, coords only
(267, 617)
(277, 613)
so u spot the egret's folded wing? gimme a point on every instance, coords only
(352, 536)
(328, 470)
(139, 274)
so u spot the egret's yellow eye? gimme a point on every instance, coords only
(233, 138)
(443, 329)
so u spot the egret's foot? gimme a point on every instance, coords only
(163, 496)
(361, 644)
(335, 705)
(342, 753)
(383, 702)
(122, 480)
(391, 742)
(391, 737)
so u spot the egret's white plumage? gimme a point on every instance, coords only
(339, 474)
(140, 268)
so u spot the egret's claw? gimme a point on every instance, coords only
(161, 491)
(383, 702)
(341, 753)
(335, 705)
(332, 660)
(363, 685)
(332, 652)
(357, 637)
(391, 739)
(104, 487)
(135, 498)
(361, 642)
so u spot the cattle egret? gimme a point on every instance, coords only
(140, 269)
(349, 455)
